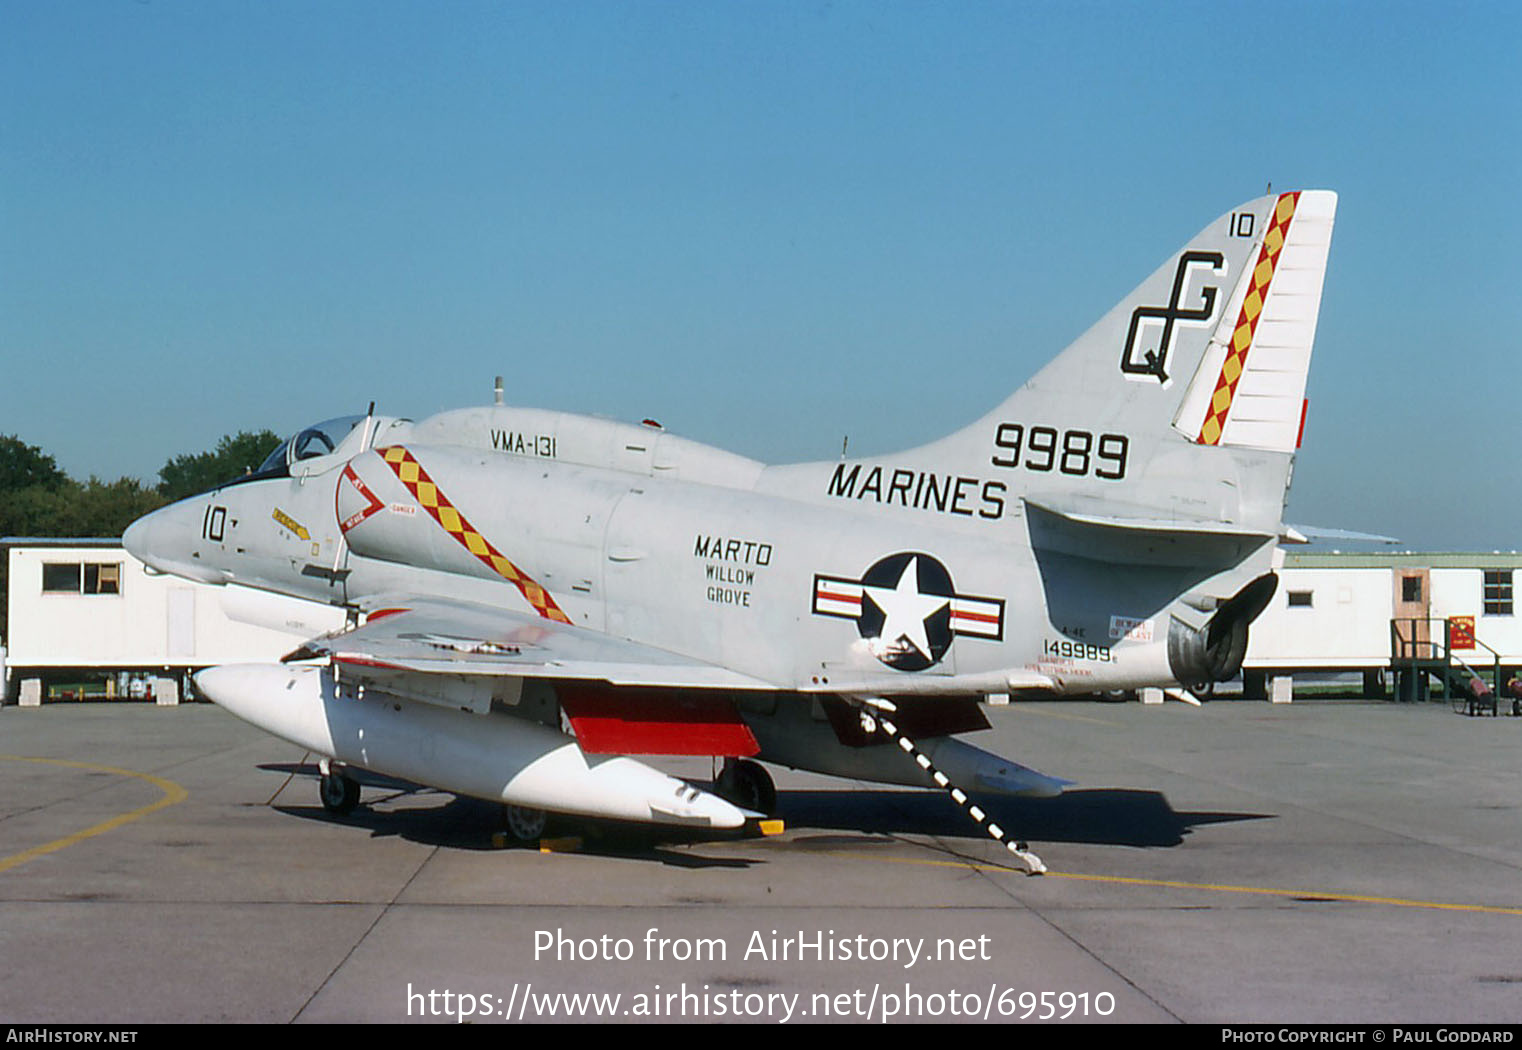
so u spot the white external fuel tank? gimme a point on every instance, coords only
(490, 756)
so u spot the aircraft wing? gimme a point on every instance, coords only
(620, 697)
(440, 636)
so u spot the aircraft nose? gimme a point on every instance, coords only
(165, 541)
(138, 539)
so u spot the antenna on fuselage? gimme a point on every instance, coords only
(845, 441)
(496, 391)
(369, 437)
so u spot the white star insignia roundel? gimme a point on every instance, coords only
(907, 610)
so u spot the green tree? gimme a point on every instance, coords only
(234, 456)
(99, 508)
(23, 465)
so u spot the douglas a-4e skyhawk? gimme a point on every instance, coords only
(536, 596)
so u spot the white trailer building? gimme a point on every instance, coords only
(86, 619)
(1378, 612)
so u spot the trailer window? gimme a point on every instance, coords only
(1497, 595)
(72, 577)
(60, 577)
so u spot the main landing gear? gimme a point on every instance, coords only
(524, 824)
(339, 794)
(747, 784)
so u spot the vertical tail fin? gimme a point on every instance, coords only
(1182, 405)
(1166, 407)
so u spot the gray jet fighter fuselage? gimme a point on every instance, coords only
(1112, 525)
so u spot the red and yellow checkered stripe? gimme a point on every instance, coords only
(423, 489)
(1247, 322)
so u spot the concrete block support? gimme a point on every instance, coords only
(166, 692)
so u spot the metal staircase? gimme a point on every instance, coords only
(1419, 653)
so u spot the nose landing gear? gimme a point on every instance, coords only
(339, 794)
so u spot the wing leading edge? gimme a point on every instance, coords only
(447, 637)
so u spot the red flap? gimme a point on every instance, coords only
(646, 722)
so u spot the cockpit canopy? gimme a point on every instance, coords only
(320, 439)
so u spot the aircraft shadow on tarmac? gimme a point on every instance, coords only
(1096, 816)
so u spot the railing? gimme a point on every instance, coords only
(1419, 654)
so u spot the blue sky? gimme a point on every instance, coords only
(765, 224)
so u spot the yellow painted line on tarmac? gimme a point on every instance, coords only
(1314, 895)
(1318, 896)
(173, 793)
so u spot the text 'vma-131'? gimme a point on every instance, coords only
(538, 596)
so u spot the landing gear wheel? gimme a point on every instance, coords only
(1202, 691)
(524, 823)
(339, 794)
(748, 785)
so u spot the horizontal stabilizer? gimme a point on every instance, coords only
(1141, 541)
(1312, 533)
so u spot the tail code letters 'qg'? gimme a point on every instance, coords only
(1154, 362)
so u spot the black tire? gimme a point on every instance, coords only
(524, 823)
(339, 794)
(748, 785)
